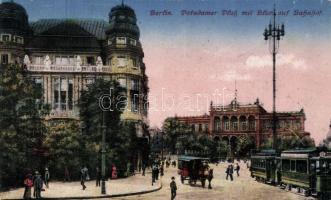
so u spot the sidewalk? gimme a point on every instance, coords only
(73, 190)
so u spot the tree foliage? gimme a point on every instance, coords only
(64, 145)
(173, 129)
(121, 140)
(22, 129)
(181, 138)
(293, 142)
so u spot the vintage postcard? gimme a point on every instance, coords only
(165, 99)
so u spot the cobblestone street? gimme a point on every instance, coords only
(242, 188)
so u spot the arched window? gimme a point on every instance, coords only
(234, 123)
(243, 123)
(226, 123)
(217, 124)
(251, 123)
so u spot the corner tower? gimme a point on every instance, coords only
(14, 29)
(124, 54)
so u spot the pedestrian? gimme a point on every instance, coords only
(66, 174)
(210, 177)
(38, 185)
(173, 188)
(28, 183)
(237, 169)
(98, 176)
(113, 172)
(153, 173)
(87, 175)
(174, 163)
(128, 169)
(46, 177)
(157, 171)
(161, 170)
(229, 172)
(83, 177)
(144, 169)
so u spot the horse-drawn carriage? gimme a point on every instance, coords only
(193, 169)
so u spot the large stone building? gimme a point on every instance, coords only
(230, 122)
(63, 56)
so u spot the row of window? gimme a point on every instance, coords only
(299, 166)
(134, 83)
(234, 125)
(259, 163)
(122, 41)
(122, 60)
(12, 38)
(65, 60)
(281, 124)
(62, 92)
(199, 128)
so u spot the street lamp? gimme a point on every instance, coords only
(103, 155)
(273, 33)
(162, 145)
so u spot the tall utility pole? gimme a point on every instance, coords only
(103, 155)
(273, 33)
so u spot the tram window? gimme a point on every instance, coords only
(293, 165)
(262, 164)
(286, 165)
(312, 167)
(324, 168)
(301, 166)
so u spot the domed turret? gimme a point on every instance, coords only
(122, 20)
(13, 18)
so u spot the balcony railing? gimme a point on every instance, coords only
(63, 114)
(68, 68)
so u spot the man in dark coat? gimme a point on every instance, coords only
(161, 170)
(144, 169)
(83, 177)
(229, 172)
(47, 177)
(38, 185)
(173, 188)
(157, 171)
(98, 176)
(237, 168)
(153, 173)
(210, 177)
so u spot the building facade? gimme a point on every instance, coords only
(234, 121)
(64, 56)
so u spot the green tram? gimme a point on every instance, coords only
(263, 166)
(296, 171)
(306, 171)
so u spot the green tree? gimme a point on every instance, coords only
(244, 145)
(22, 128)
(292, 142)
(64, 144)
(121, 141)
(174, 129)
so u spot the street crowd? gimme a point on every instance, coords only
(37, 181)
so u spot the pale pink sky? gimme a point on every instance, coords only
(184, 67)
